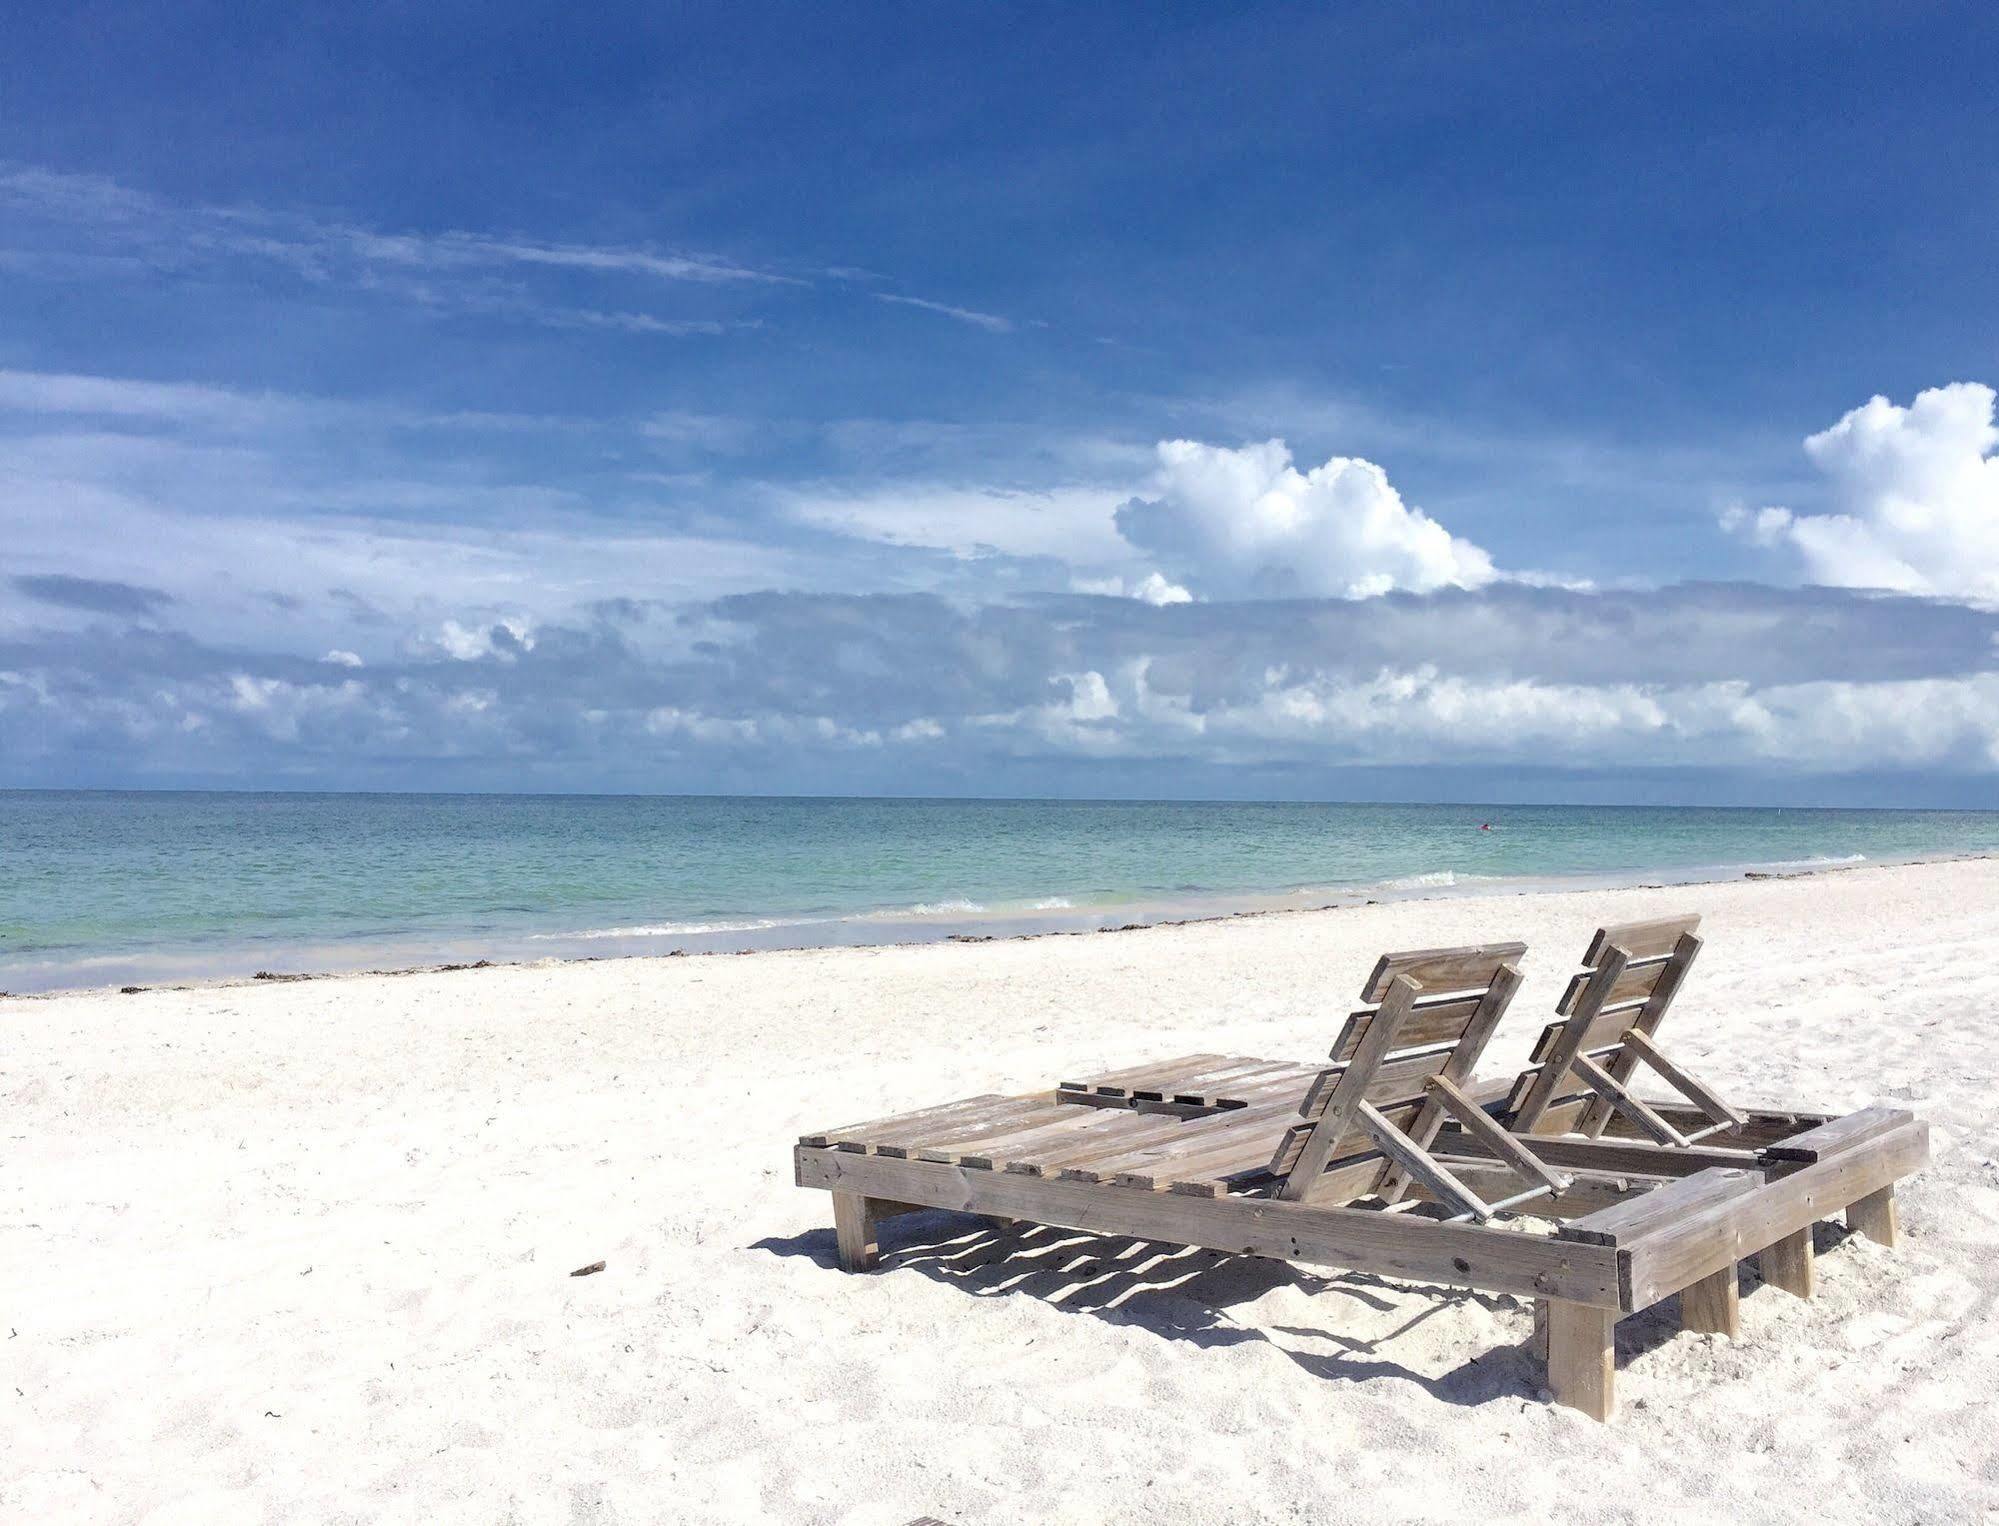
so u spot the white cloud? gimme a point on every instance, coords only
(505, 639)
(1915, 493)
(1070, 524)
(992, 323)
(1150, 589)
(1248, 523)
(343, 659)
(1422, 715)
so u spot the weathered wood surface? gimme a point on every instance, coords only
(1505, 1147)
(1587, 1192)
(1787, 1262)
(854, 1231)
(1638, 1157)
(1421, 1165)
(1811, 1146)
(1665, 1207)
(1442, 969)
(1457, 1071)
(1875, 1216)
(1686, 948)
(1668, 1256)
(1712, 1305)
(851, 1131)
(1436, 1021)
(1582, 1357)
(1631, 987)
(1627, 1102)
(1688, 1085)
(1139, 1076)
(1642, 940)
(1541, 1091)
(1392, 1244)
(1338, 1112)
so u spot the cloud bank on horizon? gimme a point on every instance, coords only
(231, 607)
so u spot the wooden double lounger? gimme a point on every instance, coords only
(1255, 1157)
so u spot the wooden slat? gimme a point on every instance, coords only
(1244, 1158)
(1829, 1139)
(1636, 1108)
(1597, 1116)
(1164, 1080)
(1332, 1125)
(1389, 1244)
(1565, 1152)
(1394, 1081)
(1354, 1142)
(1078, 1155)
(892, 1132)
(1133, 1075)
(1442, 969)
(972, 1143)
(1587, 1191)
(1233, 1086)
(1458, 1069)
(859, 1130)
(1429, 1022)
(1099, 1155)
(1642, 940)
(1541, 1090)
(1689, 1086)
(1633, 986)
(1418, 1162)
(1504, 1146)
(1231, 1146)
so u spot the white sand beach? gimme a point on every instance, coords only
(302, 1252)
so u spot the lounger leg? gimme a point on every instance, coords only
(1874, 1216)
(1582, 1357)
(1787, 1263)
(1713, 1305)
(854, 1231)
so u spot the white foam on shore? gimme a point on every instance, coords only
(668, 930)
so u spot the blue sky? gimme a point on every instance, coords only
(1387, 402)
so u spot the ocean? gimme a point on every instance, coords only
(112, 888)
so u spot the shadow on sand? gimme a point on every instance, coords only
(1179, 1294)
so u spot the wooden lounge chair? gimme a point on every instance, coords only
(1720, 1181)
(1268, 1158)
(1584, 1065)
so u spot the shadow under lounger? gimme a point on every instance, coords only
(1267, 1157)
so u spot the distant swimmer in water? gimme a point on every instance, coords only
(1485, 826)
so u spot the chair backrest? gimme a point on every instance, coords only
(1426, 1013)
(1630, 975)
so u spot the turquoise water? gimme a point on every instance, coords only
(102, 888)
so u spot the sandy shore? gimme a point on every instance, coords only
(302, 1252)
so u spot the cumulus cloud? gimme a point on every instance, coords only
(503, 639)
(1247, 522)
(1151, 589)
(1915, 495)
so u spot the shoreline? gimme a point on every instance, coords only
(1481, 889)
